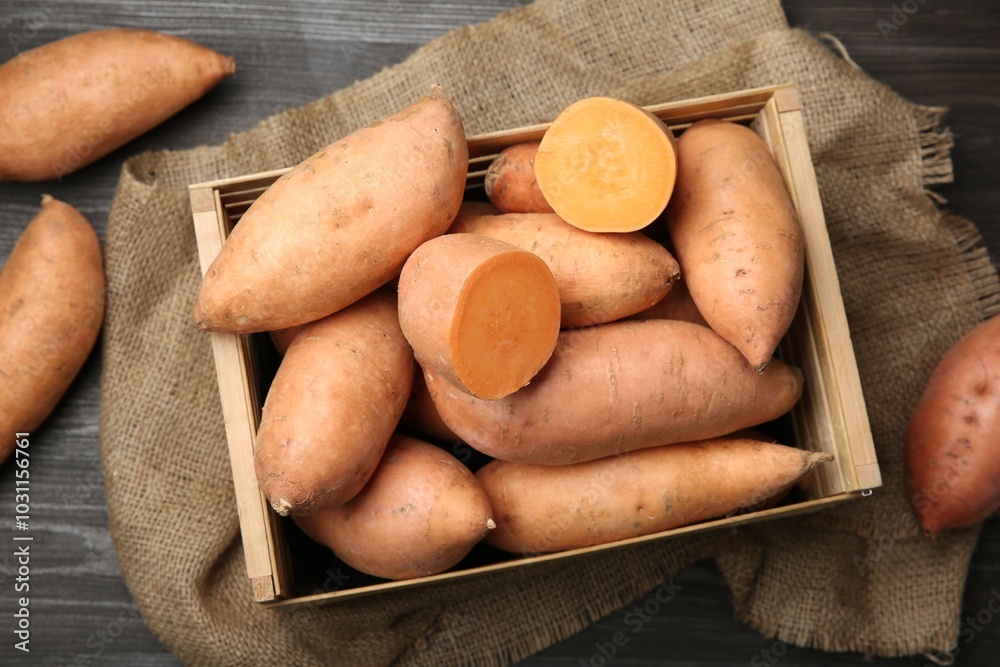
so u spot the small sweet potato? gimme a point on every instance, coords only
(618, 387)
(737, 236)
(332, 406)
(510, 181)
(67, 103)
(51, 311)
(600, 277)
(341, 223)
(540, 509)
(420, 514)
(952, 448)
(481, 312)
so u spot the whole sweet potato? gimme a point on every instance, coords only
(340, 224)
(68, 103)
(736, 236)
(953, 437)
(541, 509)
(618, 387)
(51, 310)
(420, 514)
(332, 406)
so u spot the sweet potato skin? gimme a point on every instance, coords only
(510, 181)
(600, 277)
(51, 311)
(952, 463)
(542, 509)
(70, 102)
(332, 407)
(676, 305)
(340, 224)
(619, 387)
(736, 236)
(420, 514)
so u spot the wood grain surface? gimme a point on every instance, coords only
(946, 53)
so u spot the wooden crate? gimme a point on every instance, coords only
(830, 417)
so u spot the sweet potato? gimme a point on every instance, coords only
(676, 305)
(67, 103)
(736, 236)
(541, 509)
(510, 181)
(952, 447)
(479, 311)
(601, 277)
(605, 165)
(618, 387)
(332, 407)
(340, 224)
(420, 514)
(51, 310)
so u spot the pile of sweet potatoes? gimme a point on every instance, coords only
(408, 313)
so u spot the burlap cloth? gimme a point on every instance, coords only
(858, 577)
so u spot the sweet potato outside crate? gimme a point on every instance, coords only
(284, 568)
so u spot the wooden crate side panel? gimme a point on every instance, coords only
(233, 373)
(731, 522)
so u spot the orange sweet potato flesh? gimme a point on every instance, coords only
(605, 165)
(619, 387)
(481, 312)
(340, 224)
(420, 514)
(67, 103)
(510, 181)
(540, 509)
(51, 311)
(332, 407)
(736, 236)
(600, 277)
(952, 463)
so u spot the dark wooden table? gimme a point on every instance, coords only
(81, 612)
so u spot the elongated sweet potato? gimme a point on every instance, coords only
(51, 311)
(601, 277)
(67, 103)
(736, 236)
(541, 509)
(618, 387)
(479, 311)
(510, 181)
(340, 224)
(953, 437)
(605, 165)
(420, 514)
(332, 407)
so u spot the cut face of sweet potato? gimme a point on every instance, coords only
(605, 165)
